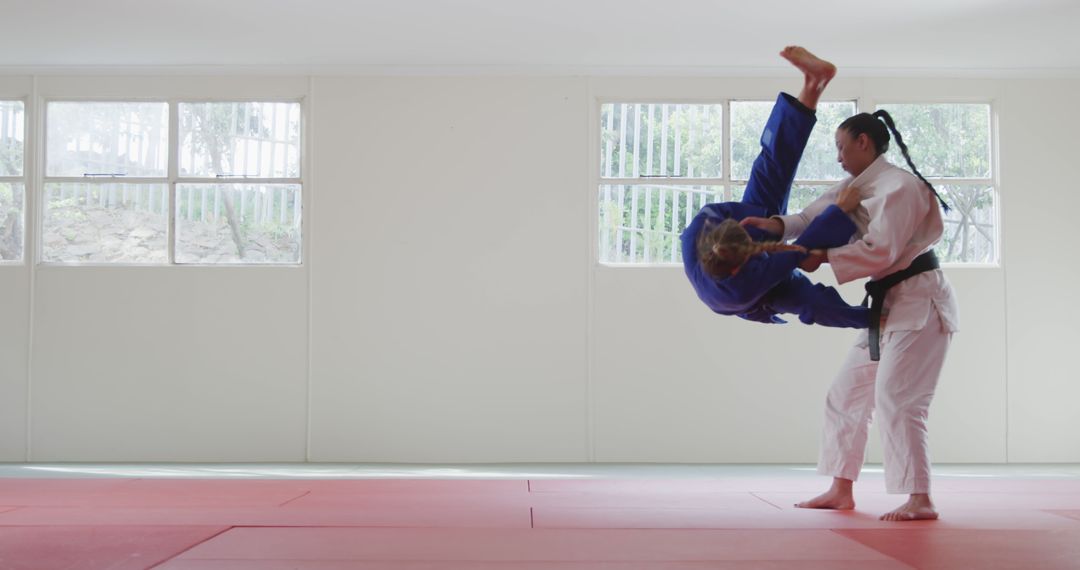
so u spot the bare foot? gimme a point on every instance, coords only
(817, 70)
(832, 499)
(918, 508)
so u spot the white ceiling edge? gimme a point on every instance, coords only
(524, 70)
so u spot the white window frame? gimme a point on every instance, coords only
(725, 180)
(599, 180)
(24, 179)
(993, 181)
(172, 177)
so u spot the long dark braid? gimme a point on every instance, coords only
(866, 123)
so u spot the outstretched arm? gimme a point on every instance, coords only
(846, 198)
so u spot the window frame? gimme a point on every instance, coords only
(172, 177)
(993, 181)
(24, 179)
(597, 180)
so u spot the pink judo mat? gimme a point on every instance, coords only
(546, 524)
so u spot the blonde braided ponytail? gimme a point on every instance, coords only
(724, 247)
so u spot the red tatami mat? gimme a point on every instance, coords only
(149, 492)
(528, 545)
(732, 523)
(513, 565)
(946, 549)
(482, 516)
(789, 518)
(92, 548)
(666, 487)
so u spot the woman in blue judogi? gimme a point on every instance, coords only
(744, 271)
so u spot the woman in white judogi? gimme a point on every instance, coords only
(898, 224)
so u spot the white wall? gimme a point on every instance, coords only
(1044, 377)
(449, 309)
(14, 329)
(448, 274)
(166, 363)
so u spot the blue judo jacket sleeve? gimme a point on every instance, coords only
(813, 302)
(769, 284)
(831, 228)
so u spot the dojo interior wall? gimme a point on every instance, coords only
(449, 308)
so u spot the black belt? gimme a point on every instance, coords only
(876, 290)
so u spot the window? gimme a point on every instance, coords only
(661, 162)
(818, 170)
(239, 196)
(106, 182)
(121, 187)
(950, 144)
(12, 180)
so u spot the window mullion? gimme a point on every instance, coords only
(652, 181)
(104, 180)
(961, 181)
(725, 145)
(239, 180)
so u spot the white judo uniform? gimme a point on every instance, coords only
(898, 220)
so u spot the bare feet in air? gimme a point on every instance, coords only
(818, 72)
(918, 508)
(839, 498)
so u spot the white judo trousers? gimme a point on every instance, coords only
(897, 221)
(895, 392)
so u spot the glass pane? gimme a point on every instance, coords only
(12, 128)
(105, 223)
(661, 140)
(748, 119)
(238, 223)
(970, 226)
(641, 223)
(11, 221)
(800, 197)
(260, 140)
(130, 139)
(945, 140)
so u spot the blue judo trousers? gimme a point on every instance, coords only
(769, 284)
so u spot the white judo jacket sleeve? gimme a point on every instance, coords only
(897, 221)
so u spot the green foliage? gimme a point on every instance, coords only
(748, 119)
(970, 225)
(12, 117)
(686, 140)
(11, 158)
(652, 235)
(946, 140)
(210, 128)
(951, 140)
(216, 132)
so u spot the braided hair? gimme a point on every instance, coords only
(723, 247)
(868, 124)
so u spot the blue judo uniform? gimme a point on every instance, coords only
(768, 284)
